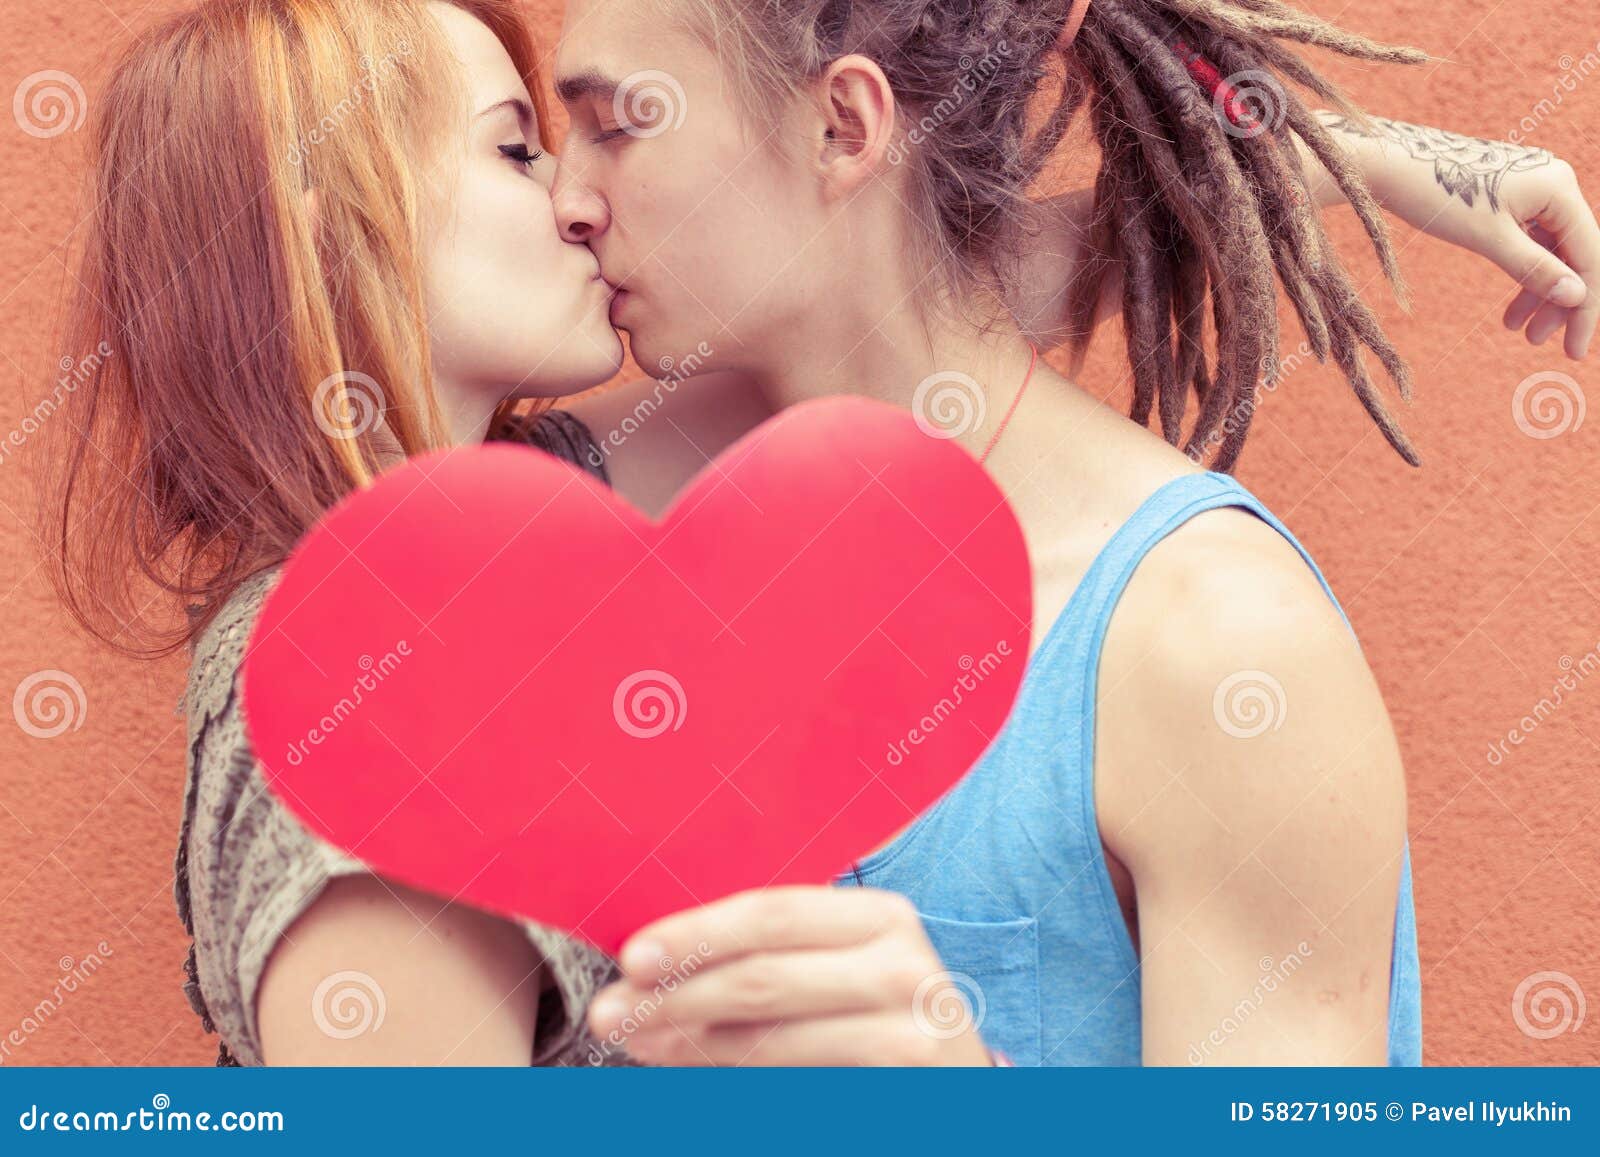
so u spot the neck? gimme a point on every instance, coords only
(949, 372)
(467, 413)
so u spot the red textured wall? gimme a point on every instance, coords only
(1472, 583)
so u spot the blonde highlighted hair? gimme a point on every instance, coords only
(252, 266)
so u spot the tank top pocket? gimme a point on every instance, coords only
(996, 967)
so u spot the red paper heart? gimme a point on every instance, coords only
(489, 677)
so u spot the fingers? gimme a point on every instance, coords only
(1554, 293)
(1542, 274)
(1547, 321)
(767, 987)
(1582, 246)
(786, 976)
(1568, 225)
(765, 920)
(1521, 309)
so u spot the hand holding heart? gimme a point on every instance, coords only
(787, 976)
(489, 677)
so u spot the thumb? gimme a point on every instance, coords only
(1539, 271)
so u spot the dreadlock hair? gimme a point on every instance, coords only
(1201, 198)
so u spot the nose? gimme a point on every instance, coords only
(581, 212)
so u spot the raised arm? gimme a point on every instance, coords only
(1519, 207)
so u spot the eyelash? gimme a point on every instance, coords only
(605, 135)
(521, 155)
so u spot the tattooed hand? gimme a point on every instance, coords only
(1520, 207)
(1463, 166)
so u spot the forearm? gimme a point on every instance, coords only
(1517, 206)
(1366, 154)
(1415, 171)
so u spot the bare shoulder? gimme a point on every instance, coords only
(446, 983)
(1228, 573)
(1229, 671)
(1249, 779)
(657, 434)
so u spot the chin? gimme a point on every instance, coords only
(665, 350)
(581, 370)
(649, 354)
(598, 352)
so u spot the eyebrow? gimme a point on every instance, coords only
(523, 109)
(588, 83)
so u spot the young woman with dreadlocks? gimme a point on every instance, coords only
(1198, 805)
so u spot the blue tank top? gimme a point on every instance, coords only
(1008, 870)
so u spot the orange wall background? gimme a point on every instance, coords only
(1472, 583)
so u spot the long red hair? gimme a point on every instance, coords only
(262, 351)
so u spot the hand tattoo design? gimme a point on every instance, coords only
(1463, 166)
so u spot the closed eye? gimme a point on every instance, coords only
(520, 153)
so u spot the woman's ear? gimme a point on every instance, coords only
(859, 121)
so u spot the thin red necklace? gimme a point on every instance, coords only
(1017, 401)
(1033, 362)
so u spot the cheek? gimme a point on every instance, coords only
(515, 239)
(755, 245)
(514, 235)
(723, 224)
(495, 272)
